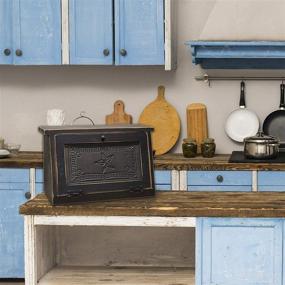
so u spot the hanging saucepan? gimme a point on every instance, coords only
(241, 123)
(274, 124)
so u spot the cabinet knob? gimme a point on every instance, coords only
(19, 52)
(106, 51)
(7, 51)
(220, 178)
(28, 195)
(123, 52)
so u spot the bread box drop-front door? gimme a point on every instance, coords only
(84, 163)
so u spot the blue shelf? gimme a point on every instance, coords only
(238, 54)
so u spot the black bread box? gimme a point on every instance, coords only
(88, 163)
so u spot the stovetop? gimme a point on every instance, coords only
(239, 157)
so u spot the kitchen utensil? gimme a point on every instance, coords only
(118, 116)
(274, 124)
(197, 126)
(55, 117)
(4, 153)
(261, 146)
(241, 123)
(84, 117)
(165, 120)
(12, 148)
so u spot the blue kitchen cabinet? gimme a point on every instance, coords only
(162, 180)
(139, 32)
(219, 181)
(39, 180)
(232, 251)
(6, 32)
(14, 184)
(37, 32)
(30, 32)
(271, 181)
(91, 31)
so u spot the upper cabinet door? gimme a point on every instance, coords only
(91, 31)
(6, 56)
(139, 32)
(37, 32)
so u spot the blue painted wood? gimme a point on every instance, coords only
(8, 175)
(91, 31)
(238, 55)
(39, 180)
(37, 32)
(271, 181)
(162, 176)
(230, 178)
(140, 31)
(6, 31)
(162, 180)
(235, 188)
(39, 188)
(39, 175)
(239, 251)
(12, 231)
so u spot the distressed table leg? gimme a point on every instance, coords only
(30, 251)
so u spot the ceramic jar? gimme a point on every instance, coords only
(208, 148)
(189, 148)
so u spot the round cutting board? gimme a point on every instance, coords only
(165, 120)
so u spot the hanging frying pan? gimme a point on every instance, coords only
(274, 124)
(241, 123)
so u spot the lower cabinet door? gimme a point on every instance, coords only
(239, 251)
(12, 195)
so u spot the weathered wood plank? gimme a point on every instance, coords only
(23, 160)
(219, 162)
(171, 204)
(113, 276)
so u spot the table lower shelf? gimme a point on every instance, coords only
(75, 275)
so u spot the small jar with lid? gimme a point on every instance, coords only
(208, 148)
(189, 148)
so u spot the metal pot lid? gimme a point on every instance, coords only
(260, 137)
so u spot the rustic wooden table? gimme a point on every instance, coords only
(166, 209)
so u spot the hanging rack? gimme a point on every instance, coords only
(207, 79)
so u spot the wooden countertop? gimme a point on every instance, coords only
(171, 204)
(24, 159)
(164, 162)
(219, 162)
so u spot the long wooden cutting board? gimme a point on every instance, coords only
(163, 117)
(197, 124)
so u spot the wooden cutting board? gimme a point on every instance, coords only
(165, 120)
(197, 124)
(118, 116)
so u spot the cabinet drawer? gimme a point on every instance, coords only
(239, 251)
(219, 180)
(271, 181)
(8, 175)
(162, 180)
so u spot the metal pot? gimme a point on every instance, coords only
(261, 146)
